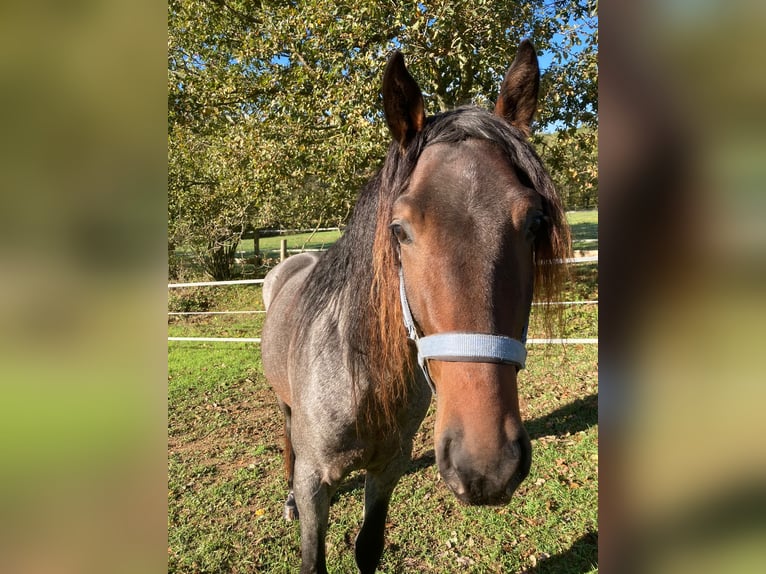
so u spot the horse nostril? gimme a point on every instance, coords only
(519, 456)
(443, 454)
(515, 454)
(448, 466)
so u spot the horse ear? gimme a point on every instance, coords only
(402, 101)
(518, 93)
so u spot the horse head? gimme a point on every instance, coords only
(469, 228)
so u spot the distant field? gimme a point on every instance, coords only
(319, 240)
(584, 227)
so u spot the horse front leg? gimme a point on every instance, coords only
(313, 499)
(378, 488)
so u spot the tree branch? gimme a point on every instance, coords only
(242, 15)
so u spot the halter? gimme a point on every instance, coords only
(461, 347)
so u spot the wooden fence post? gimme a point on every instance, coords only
(282, 249)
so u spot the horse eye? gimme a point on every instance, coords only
(535, 225)
(399, 232)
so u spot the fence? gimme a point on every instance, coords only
(534, 341)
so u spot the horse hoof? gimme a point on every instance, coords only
(290, 513)
(291, 508)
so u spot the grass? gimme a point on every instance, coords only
(269, 246)
(226, 487)
(584, 227)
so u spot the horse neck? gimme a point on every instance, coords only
(361, 282)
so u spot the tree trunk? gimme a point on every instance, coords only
(219, 260)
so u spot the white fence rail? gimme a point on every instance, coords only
(572, 341)
(216, 283)
(588, 259)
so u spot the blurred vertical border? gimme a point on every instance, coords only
(682, 94)
(82, 295)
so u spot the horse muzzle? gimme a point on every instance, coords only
(483, 476)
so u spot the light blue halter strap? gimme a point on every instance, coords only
(473, 348)
(460, 347)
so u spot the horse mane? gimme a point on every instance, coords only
(359, 274)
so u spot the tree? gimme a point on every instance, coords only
(209, 201)
(274, 106)
(569, 110)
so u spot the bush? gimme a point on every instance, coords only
(191, 299)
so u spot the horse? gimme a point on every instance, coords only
(428, 292)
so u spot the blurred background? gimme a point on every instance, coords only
(681, 191)
(82, 296)
(681, 181)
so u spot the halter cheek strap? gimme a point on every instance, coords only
(461, 347)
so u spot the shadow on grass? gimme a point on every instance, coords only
(574, 417)
(584, 231)
(571, 418)
(584, 277)
(425, 460)
(350, 484)
(581, 557)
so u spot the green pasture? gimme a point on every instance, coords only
(226, 487)
(584, 227)
(269, 246)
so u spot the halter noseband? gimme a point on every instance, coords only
(461, 347)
